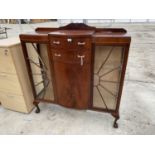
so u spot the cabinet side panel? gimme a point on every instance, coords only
(20, 65)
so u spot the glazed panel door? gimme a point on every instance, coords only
(40, 67)
(108, 63)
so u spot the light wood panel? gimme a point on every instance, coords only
(15, 89)
(22, 73)
(13, 102)
(10, 83)
(6, 62)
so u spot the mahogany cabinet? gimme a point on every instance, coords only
(77, 66)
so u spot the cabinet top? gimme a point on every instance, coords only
(99, 35)
(9, 42)
(72, 33)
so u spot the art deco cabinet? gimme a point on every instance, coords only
(15, 88)
(77, 66)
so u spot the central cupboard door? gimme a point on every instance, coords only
(72, 72)
(72, 84)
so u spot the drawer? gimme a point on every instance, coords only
(74, 56)
(6, 62)
(10, 83)
(13, 102)
(70, 43)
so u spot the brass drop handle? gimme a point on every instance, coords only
(81, 43)
(57, 55)
(69, 39)
(81, 59)
(56, 42)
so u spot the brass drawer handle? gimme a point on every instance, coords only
(69, 39)
(56, 42)
(81, 43)
(81, 59)
(57, 55)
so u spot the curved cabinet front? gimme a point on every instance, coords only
(72, 73)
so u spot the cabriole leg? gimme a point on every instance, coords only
(115, 125)
(37, 107)
(116, 115)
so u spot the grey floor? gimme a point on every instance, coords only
(137, 111)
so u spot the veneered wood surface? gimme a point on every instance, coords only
(73, 79)
(73, 84)
(74, 44)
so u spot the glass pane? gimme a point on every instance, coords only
(41, 73)
(107, 69)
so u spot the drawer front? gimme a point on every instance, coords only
(6, 62)
(74, 56)
(13, 102)
(10, 83)
(70, 43)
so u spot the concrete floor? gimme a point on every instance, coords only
(137, 111)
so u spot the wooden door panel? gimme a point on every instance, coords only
(73, 84)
